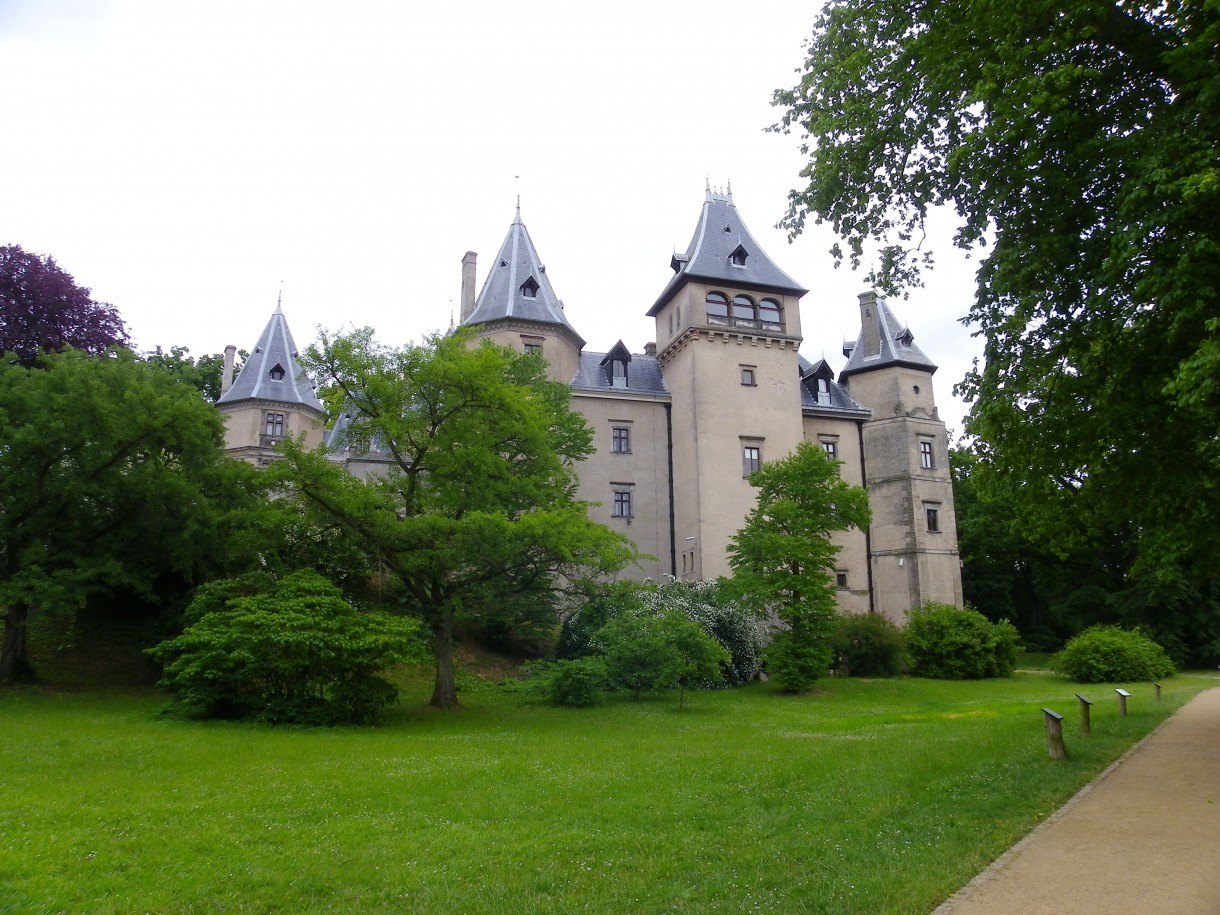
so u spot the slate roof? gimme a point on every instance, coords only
(897, 345)
(643, 374)
(709, 256)
(275, 354)
(516, 272)
(840, 400)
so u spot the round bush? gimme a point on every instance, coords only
(866, 645)
(1108, 654)
(577, 684)
(958, 643)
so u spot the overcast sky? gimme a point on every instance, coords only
(187, 160)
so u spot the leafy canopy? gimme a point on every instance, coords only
(42, 308)
(1079, 141)
(476, 502)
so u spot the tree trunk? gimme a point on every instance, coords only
(444, 694)
(14, 662)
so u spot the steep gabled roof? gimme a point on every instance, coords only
(273, 372)
(883, 341)
(517, 285)
(723, 251)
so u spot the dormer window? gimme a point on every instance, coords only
(906, 338)
(277, 373)
(529, 288)
(824, 391)
(615, 365)
(738, 257)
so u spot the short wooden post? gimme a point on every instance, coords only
(1054, 734)
(1123, 696)
(1085, 727)
(1158, 691)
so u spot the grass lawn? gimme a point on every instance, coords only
(868, 796)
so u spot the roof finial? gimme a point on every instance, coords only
(729, 191)
(279, 299)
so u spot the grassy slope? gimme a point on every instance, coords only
(870, 796)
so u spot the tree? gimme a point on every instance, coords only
(294, 653)
(112, 476)
(42, 308)
(202, 373)
(477, 502)
(1079, 140)
(783, 558)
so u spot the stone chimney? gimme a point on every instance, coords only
(870, 325)
(226, 374)
(468, 263)
(650, 349)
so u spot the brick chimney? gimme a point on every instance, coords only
(226, 374)
(468, 262)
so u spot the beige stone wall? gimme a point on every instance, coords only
(645, 469)
(559, 349)
(246, 425)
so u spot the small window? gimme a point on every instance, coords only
(831, 447)
(529, 288)
(535, 348)
(620, 439)
(743, 308)
(932, 514)
(824, 391)
(738, 257)
(748, 376)
(717, 308)
(841, 580)
(275, 423)
(618, 373)
(277, 373)
(751, 459)
(769, 313)
(622, 503)
(925, 454)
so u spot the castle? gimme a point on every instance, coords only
(679, 428)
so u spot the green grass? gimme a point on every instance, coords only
(869, 796)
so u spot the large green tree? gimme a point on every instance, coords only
(1079, 141)
(783, 558)
(477, 502)
(112, 476)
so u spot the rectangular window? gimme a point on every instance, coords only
(931, 512)
(534, 348)
(275, 423)
(751, 459)
(841, 580)
(831, 447)
(748, 376)
(620, 439)
(622, 503)
(925, 453)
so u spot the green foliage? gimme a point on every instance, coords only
(202, 373)
(1108, 654)
(955, 643)
(867, 645)
(784, 561)
(476, 511)
(296, 654)
(1076, 140)
(600, 601)
(577, 684)
(646, 652)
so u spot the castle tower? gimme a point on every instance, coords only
(517, 306)
(270, 398)
(906, 457)
(728, 329)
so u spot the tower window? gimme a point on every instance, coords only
(743, 308)
(769, 313)
(529, 288)
(275, 423)
(717, 308)
(749, 376)
(277, 373)
(931, 512)
(925, 454)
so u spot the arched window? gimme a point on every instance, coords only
(717, 308)
(743, 308)
(769, 313)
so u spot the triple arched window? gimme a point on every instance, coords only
(744, 311)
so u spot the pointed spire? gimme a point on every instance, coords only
(279, 300)
(517, 219)
(273, 371)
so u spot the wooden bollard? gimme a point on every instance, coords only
(1123, 696)
(1054, 734)
(1085, 727)
(1158, 691)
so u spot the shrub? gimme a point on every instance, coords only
(297, 654)
(867, 645)
(955, 643)
(577, 683)
(1108, 654)
(645, 652)
(798, 656)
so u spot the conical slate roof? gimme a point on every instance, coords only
(723, 251)
(517, 285)
(272, 372)
(883, 341)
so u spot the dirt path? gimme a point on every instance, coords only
(1144, 837)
